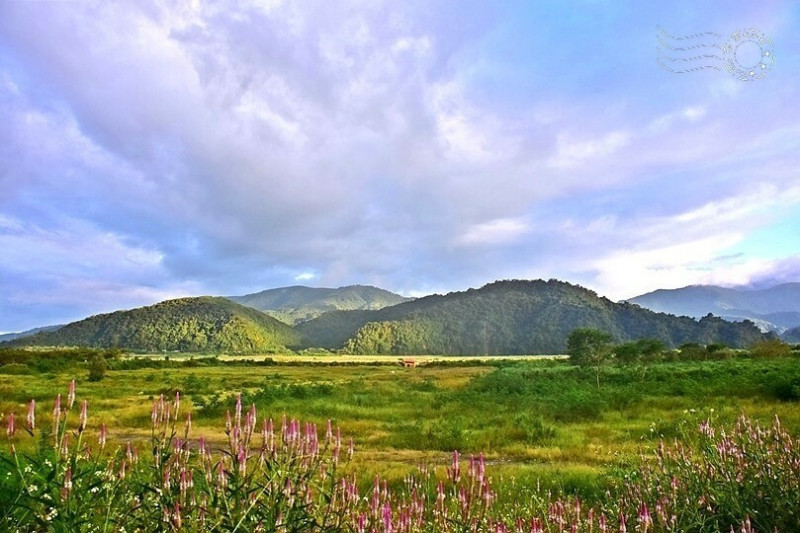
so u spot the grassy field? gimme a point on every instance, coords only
(536, 419)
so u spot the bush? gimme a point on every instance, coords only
(770, 349)
(788, 390)
(535, 429)
(97, 367)
(16, 369)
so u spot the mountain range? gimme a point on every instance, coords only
(504, 317)
(297, 304)
(775, 309)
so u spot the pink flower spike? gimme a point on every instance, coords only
(102, 439)
(84, 415)
(238, 414)
(32, 415)
(12, 428)
(57, 407)
(71, 395)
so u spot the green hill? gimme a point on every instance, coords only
(510, 317)
(297, 304)
(204, 324)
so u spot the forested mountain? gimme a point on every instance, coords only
(293, 305)
(510, 317)
(204, 324)
(776, 308)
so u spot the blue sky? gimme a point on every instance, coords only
(151, 150)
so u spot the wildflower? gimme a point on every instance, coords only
(56, 414)
(102, 438)
(67, 487)
(84, 416)
(238, 415)
(645, 520)
(12, 428)
(32, 415)
(70, 396)
(455, 470)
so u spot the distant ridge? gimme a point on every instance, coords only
(12, 336)
(299, 303)
(510, 317)
(773, 309)
(203, 324)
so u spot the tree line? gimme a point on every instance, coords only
(594, 348)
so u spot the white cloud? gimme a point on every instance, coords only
(495, 232)
(572, 152)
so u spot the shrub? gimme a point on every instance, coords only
(770, 349)
(97, 367)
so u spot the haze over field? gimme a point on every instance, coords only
(152, 150)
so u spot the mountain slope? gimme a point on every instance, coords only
(204, 324)
(510, 317)
(293, 305)
(777, 308)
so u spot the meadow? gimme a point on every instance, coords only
(541, 424)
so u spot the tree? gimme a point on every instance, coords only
(97, 367)
(589, 348)
(639, 353)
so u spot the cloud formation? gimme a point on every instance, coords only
(150, 150)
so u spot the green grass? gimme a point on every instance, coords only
(534, 419)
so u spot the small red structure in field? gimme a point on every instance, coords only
(408, 363)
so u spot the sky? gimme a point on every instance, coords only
(152, 150)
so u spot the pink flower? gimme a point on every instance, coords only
(70, 396)
(57, 407)
(12, 428)
(32, 415)
(84, 415)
